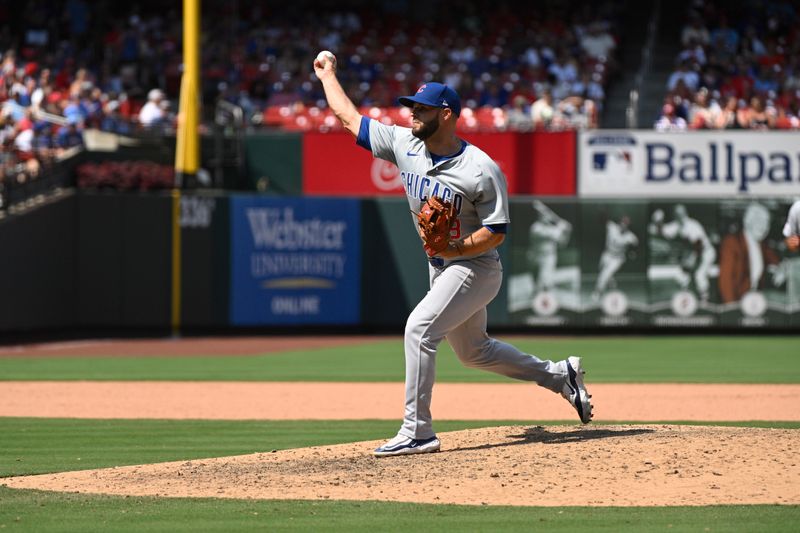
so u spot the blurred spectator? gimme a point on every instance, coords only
(69, 136)
(685, 73)
(519, 116)
(724, 39)
(113, 121)
(597, 42)
(23, 137)
(694, 55)
(542, 110)
(695, 33)
(154, 112)
(758, 116)
(575, 112)
(13, 106)
(588, 88)
(74, 110)
(669, 121)
(565, 72)
(703, 113)
(728, 118)
(681, 98)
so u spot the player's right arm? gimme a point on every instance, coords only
(338, 101)
(670, 230)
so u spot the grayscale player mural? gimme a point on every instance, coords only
(682, 270)
(754, 269)
(614, 263)
(545, 278)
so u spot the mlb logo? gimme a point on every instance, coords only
(613, 162)
(599, 160)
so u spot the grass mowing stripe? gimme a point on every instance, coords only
(26, 510)
(607, 359)
(42, 445)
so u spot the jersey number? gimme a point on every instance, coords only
(455, 229)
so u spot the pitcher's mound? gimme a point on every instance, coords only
(513, 465)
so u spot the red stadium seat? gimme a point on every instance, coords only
(467, 122)
(274, 115)
(399, 115)
(491, 119)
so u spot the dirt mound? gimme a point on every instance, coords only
(513, 465)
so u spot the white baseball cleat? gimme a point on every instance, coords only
(575, 391)
(402, 445)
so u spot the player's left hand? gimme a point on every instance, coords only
(435, 218)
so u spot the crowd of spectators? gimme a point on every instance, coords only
(66, 66)
(739, 68)
(69, 65)
(516, 65)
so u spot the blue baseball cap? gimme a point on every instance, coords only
(436, 95)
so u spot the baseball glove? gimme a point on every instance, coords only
(435, 218)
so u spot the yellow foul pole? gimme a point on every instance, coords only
(187, 148)
(187, 152)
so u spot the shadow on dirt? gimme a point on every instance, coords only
(540, 434)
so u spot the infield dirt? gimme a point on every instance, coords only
(637, 465)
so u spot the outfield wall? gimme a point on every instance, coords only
(104, 260)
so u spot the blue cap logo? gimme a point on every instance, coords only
(435, 95)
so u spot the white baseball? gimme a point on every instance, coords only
(325, 56)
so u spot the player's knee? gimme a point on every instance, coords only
(417, 328)
(473, 355)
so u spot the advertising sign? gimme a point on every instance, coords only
(295, 261)
(544, 278)
(504, 150)
(683, 266)
(334, 165)
(621, 163)
(755, 270)
(614, 263)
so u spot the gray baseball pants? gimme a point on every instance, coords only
(455, 308)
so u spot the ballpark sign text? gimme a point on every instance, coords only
(691, 164)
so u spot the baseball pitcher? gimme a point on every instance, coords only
(444, 176)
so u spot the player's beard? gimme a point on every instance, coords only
(427, 129)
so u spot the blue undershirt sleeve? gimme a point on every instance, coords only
(363, 134)
(497, 228)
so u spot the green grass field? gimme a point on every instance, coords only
(50, 512)
(52, 445)
(654, 359)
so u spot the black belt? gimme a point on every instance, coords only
(436, 262)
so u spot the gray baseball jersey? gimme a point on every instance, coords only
(455, 306)
(618, 239)
(470, 179)
(792, 226)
